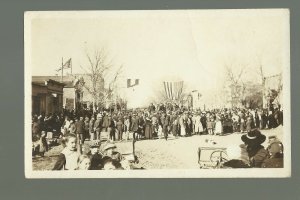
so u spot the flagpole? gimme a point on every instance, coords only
(62, 69)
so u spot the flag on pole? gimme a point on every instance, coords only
(67, 65)
(132, 82)
(173, 89)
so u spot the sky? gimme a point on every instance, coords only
(191, 45)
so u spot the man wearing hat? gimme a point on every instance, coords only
(96, 158)
(257, 153)
(110, 151)
(275, 157)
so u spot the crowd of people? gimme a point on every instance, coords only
(156, 121)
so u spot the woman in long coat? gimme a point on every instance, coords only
(175, 126)
(148, 128)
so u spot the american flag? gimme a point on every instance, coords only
(67, 65)
(173, 90)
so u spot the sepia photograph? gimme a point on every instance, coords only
(157, 94)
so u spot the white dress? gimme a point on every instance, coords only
(182, 127)
(198, 125)
(218, 128)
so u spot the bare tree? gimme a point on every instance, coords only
(235, 82)
(96, 71)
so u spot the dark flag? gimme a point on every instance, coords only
(131, 84)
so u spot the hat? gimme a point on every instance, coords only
(94, 145)
(109, 146)
(275, 145)
(253, 137)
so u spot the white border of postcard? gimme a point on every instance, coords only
(172, 173)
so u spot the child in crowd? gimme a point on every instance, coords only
(68, 158)
(83, 162)
(210, 126)
(72, 127)
(43, 144)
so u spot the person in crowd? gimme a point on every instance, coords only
(154, 121)
(160, 133)
(68, 157)
(111, 164)
(110, 150)
(72, 127)
(105, 121)
(275, 154)
(271, 120)
(210, 126)
(36, 129)
(91, 129)
(126, 127)
(135, 126)
(96, 157)
(235, 123)
(148, 128)
(66, 125)
(203, 121)
(165, 123)
(242, 122)
(256, 152)
(98, 127)
(83, 162)
(41, 145)
(86, 128)
(151, 108)
(175, 126)
(189, 127)
(111, 128)
(141, 126)
(182, 123)
(80, 130)
(264, 119)
(197, 124)
(249, 123)
(256, 119)
(218, 128)
(120, 128)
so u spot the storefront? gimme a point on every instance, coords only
(47, 96)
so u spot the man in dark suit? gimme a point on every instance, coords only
(98, 126)
(79, 125)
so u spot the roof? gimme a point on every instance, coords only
(67, 80)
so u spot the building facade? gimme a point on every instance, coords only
(47, 96)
